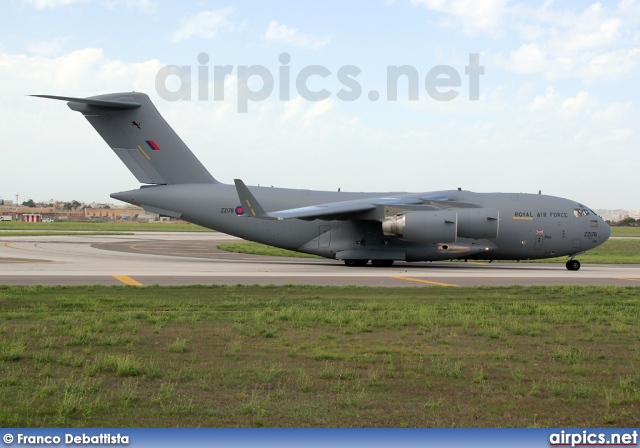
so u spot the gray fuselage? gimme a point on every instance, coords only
(530, 226)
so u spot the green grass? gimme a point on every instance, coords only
(247, 247)
(626, 231)
(11, 350)
(309, 356)
(178, 346)
(74, 226)
(614, 251)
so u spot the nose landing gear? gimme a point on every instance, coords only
(573, 265)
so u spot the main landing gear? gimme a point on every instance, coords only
(375, 263)
(352, 263)
(573, 265)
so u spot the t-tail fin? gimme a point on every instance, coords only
(132, 126)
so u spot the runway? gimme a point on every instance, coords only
(175, 259)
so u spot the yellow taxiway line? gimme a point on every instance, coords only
(127, 280)
(423, 281)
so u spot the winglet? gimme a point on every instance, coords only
(248, 200)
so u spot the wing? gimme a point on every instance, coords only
(332, 210)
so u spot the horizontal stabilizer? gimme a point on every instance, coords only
(119, 103)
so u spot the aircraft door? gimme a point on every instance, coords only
(539, 240)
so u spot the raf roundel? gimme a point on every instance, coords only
(239, 210)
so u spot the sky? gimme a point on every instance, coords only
(493, 95)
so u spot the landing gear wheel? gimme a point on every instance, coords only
(573, 265)
(381, 263)
(352, 263)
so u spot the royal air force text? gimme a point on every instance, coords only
(541, 215)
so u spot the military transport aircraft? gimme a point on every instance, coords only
(353, 227)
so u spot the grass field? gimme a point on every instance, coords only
(614, 251)
(249, 247)
(625, 231)
(319, 357)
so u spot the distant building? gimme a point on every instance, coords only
(32, 217)
(119, 213)
(55, 210)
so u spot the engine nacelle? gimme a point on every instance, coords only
(439, 226)
(478, 222)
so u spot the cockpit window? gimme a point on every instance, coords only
(580, 212)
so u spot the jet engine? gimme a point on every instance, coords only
(478, 222)
(443, 226)
(423, 227)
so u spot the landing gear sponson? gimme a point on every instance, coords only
(375, 263)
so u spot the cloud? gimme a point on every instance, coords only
(282, 34)
(621, 134)
(301, 111)
(545, 102)
(147, 6)
(316, 110)
(595, 44)
(614, 114)
(63, 139)
(292, 109)
(529, 58)
(574, 105)
(46, 47)
(472, 16)
(50, 4)
(206, 24)
(613, 64)
(79, 72)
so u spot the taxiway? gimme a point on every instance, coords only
(193, 258)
